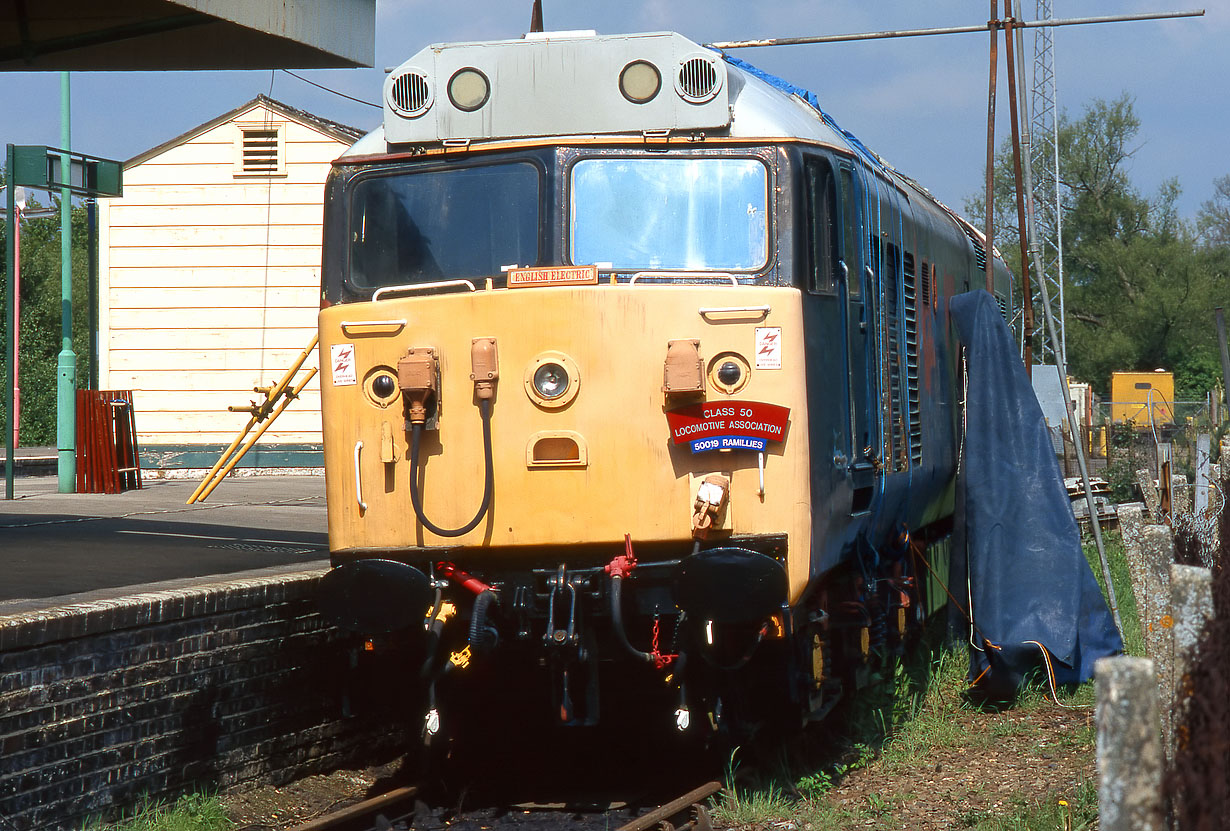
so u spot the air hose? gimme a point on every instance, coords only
(435, 624)
(416, 498)
(483, 636)
(617, 621)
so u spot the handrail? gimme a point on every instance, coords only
(346, 325)
(411, 288)
(687, 275)
(758, 311)
(358, 480)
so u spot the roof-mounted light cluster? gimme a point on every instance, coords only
(560, 84)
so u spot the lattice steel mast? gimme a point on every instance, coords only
(1044, 156)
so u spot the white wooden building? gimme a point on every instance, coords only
(209, 281)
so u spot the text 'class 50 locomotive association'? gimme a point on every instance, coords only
(638, 378)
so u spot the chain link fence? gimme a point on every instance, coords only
(1116, 449)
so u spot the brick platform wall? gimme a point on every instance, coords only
(162, 693)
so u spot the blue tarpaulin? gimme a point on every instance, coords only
(1029, 584)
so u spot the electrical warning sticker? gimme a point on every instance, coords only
(341, 357)
(768, 347)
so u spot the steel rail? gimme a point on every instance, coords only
(675, 806)
(954, 30)
(351, 815)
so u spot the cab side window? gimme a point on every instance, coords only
(822, 233)
(850, 230)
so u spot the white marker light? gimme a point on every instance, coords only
(640, 82)
(468, 89)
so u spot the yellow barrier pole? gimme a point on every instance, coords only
(273, 394)
(289, 397)
(196, 494)
(259, 414)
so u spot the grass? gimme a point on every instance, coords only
(1078, 812)
(895, 726)
(194, 812)
(1112, 542)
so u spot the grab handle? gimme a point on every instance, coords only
(758, 312)
(358, 481)
(360, 327)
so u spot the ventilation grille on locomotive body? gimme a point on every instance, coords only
(411, 93)
(980, 252)
(911, 357)
(697, 80)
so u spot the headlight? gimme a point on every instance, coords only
(729, 373)
(551, 381)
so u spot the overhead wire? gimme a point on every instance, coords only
(335, 92)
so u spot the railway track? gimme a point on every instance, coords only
(390, 810)
(690, 805)
(395, 810)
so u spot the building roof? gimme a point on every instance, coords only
(186, 34)
(344, 133)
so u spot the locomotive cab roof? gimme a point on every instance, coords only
(582, 84)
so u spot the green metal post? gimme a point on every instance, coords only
(66, 366)
(10, 316)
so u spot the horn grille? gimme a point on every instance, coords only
(698, 79)
(411, 93)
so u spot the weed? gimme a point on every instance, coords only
(194, 812)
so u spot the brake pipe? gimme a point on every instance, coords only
(619, 568)
(449, 571)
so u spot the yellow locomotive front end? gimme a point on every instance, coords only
(589, 464)
(579, 390)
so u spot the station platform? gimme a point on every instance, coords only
(57, 549)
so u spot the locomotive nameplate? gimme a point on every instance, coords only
(728, 425)
(576, 275)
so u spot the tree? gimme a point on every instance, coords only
(1139, 289)
(1213, 221)
(40, 318)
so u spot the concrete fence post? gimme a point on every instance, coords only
(1191, 593)
(1157, 545)
(1181, 495)
(1131, 524)
(1128, 746)
(1148, 490)
(1201, 491)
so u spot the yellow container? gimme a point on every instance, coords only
(1132, 394)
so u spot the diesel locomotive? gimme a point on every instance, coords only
(638, 385)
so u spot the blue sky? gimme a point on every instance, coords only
(920, 102)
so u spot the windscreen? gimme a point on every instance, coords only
(649, 213)
(459, 223)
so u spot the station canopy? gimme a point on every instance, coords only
(104, 35)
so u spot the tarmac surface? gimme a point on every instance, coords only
(63, 548)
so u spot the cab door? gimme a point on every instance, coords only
(857, 288)
(824, 323)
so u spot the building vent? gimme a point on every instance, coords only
(411, 94)
(261, 150)
(698, 79)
